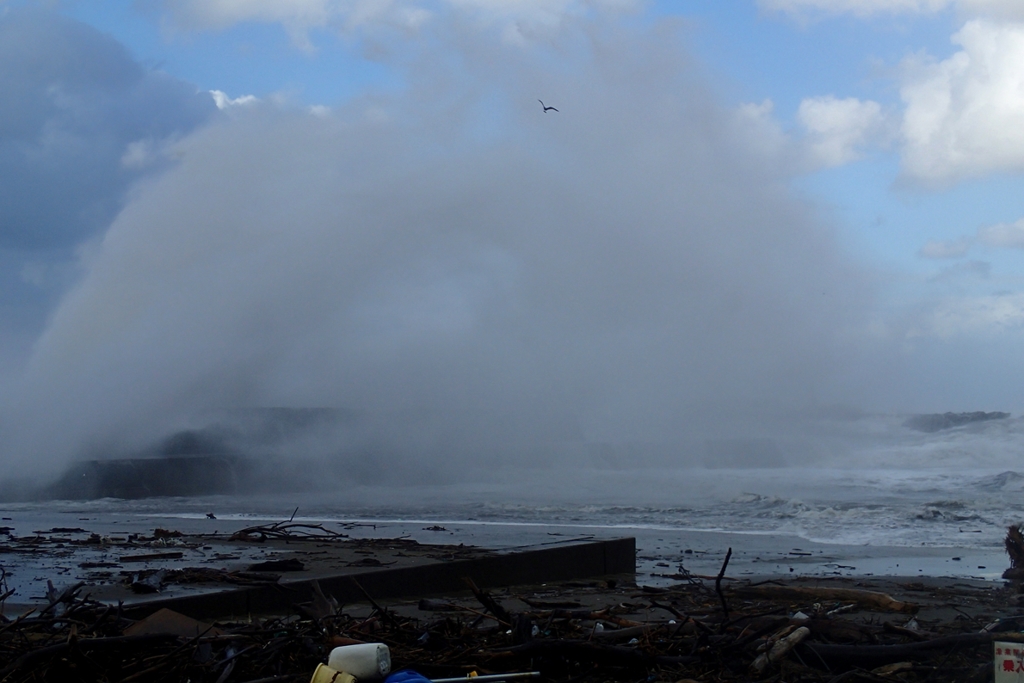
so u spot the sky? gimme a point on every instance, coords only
(743, 207)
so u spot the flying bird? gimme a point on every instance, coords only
(546, 107)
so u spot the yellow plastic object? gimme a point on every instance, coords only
(325, 674)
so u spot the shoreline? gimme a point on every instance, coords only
(660, 622)
(593, 630)
(662, 553)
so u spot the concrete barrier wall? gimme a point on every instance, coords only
(563, 563)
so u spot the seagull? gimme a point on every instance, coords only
(546, 107)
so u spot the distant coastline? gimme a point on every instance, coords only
(936, 422)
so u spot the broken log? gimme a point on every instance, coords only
(863, 598)
(876, 655)
(779, 649)
(489, 603)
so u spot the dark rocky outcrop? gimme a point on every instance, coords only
(936, 422)
(183, 475)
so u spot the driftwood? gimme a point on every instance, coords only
(908, 632)
(875, 655)
(587, 615)
(623, 634)
(779, 649)
(290, 531)
(863, 598)
(584, 651)
(718, 588)
(848, 631)
(489, 603)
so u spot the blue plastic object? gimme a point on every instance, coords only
(406, 676)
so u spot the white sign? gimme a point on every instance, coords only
(1009, 662)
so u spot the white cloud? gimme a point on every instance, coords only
(856, 7)
(838, 130)
(965, 115)
(937, 249)
(1010, 9)
(222, 100)
(1005, 235)
(976, 315)
(1007, 9)
(516, 17)
(297, 16)
(1000, 236)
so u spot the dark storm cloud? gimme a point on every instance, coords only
(73, 103)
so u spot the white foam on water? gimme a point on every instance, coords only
(893, 487)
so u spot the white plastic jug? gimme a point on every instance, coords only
(365, 661)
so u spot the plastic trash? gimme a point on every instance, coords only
(406, 676)
(325, 674)
(486, 678)
(365, 661)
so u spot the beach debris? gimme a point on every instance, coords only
(410, 676)
(551, 604)
(153, 580)
(325, 674)
(489, 603)
(864, 598)
(580, 631)
(291, 531)
(890, 669)
(321, 606)
(778, 646)
(159, 533)
(289, 565)
(365, 661)
(150, 557)
(718, 586)
(168, 622)
(485, 678)
(148, 582)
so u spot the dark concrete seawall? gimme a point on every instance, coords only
(576, 561)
